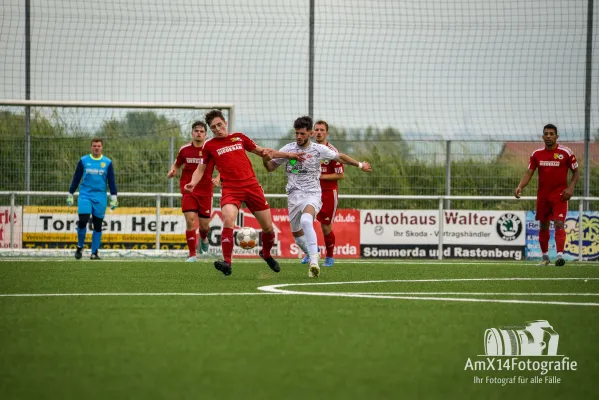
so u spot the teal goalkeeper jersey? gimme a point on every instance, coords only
(94, 174)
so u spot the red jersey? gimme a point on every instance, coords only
(330, 167)
(229, 157)
(553, 168)
(189, 156)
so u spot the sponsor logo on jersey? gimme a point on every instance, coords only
(549, 163)
(229, 149)
(192, 160)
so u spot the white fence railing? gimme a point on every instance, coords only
(440, 199)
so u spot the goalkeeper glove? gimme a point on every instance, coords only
(70, 199)
(113, 202)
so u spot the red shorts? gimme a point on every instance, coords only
(329, 207)
(252, 196)
(194, 202)
(551, 208)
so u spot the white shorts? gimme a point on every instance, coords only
(297, 202)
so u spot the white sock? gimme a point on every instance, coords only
(307, 222)
(301, 242)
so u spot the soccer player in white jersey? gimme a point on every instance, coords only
(303, 186)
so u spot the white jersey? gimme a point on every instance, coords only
(305, 175)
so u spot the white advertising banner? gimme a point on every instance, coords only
(466, 234)
(17, 228)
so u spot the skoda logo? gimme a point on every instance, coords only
(509, 227)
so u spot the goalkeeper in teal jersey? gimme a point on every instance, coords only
(93, 171)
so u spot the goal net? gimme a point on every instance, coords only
(40, 145)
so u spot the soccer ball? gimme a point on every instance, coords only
(247, 238)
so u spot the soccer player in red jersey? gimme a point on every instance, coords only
(553, 162)
(239, 184)
(197, 204)
(331, 172)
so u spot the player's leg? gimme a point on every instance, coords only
(559, 210)
(204, 213)
(98, 212)
(326, 216)
(204, 230)
(81, 232)
(256, 202)
(191, 221)
(230, 203)
(295, 214)
(264, 218)
(189, 206)
(560, 242)
(84, 209)
(307, 222)
(96, 236)
(542, 215)
(329, 242)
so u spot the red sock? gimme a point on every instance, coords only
(560, 240)
(190, 236)
(268, 240)
(544, 240)
(226, 242)
(329, 242)
(204, 234)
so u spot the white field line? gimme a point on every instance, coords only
(475, 294)
(279, 289)
(127, 294)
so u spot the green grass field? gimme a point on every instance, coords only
(158, 330)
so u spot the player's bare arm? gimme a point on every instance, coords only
(345, 159)
(270, 154)
(216, 180)
(196, 177)
(569, 191)
(269, 165)
(332, 177)
(523, 182)
(173, 171)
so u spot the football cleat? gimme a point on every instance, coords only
(314, 271)
(223, 267)
(95, 256)
(272, 263)
(328, 262)
(306, 259)
(192, 259)
(78, 253)
(560, 262)
(544, 262)
(203, 247)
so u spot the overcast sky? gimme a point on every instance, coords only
(458, 69)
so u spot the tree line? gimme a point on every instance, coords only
(139, 142)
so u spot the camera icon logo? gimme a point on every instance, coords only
(534, 338)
